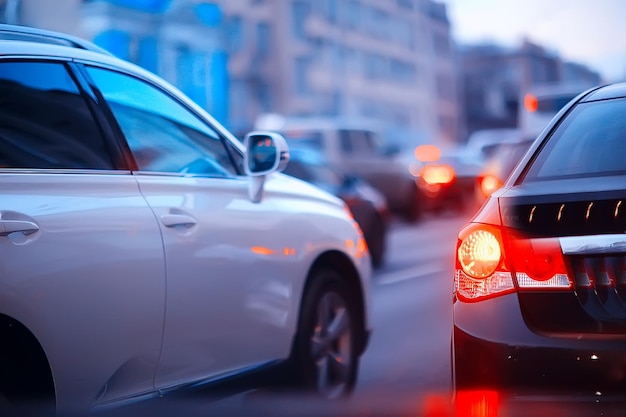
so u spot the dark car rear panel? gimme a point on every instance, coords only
(597, 301)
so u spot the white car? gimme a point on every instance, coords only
(144, 249)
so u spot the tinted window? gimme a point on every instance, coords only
(45, 122)
(358, 142)
(304, 138)
(345, 141)
(311, 166)
(163, 135)
(591, 141)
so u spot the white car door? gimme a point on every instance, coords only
(227, 304)
(81, 261)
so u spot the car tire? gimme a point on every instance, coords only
(325, 357)
(376, 240)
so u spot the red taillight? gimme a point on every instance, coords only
(531, 103)
(438, 174)
(481, 271)
(538, 263)
(489, 184)
(492, 262)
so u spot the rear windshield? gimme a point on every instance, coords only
(590, 141)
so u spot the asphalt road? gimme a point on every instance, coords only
(412, 309)
(408, 359)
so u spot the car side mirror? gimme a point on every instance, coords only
(266, 152)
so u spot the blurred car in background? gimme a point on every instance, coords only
(358, 149)
(498, 167)
(448, 177)
(540, 273)
(368, 205)
(484, 142)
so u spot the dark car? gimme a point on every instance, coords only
(368, 206)
(448, 178)
(540, 276)
(499, 166)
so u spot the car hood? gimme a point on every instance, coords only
(287, 185)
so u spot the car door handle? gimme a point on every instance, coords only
(11, 226)
(173, 220)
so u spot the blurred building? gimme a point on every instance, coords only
(181, 40)
(390, 61)
(494, 78)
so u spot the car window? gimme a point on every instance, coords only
(354, 141)
(589, 142)
(345, 141)
(45, 122)
(304, 138)
(163, 135)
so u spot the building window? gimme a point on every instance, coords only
(235, 32)
(301, 69)
(300, 13)
(353, 13)
(263, 39)
(442, 44)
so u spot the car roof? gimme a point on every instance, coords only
(30, 34)
(607, 92)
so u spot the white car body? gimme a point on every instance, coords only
(137, 283)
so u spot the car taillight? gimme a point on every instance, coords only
(481, 271)
(489, 184)
(538, 263)
(438, 174)
(491, 261)
(531, 103)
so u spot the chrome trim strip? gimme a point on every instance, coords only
(591, 245)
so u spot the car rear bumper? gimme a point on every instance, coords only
(493, 348)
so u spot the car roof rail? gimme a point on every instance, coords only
(30, 34)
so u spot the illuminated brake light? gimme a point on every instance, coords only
(491, 263)
(427, 153)
(479, 254)
(538, 263)
(438, 174)
(480, 271)
(531, 103)
(489, 184)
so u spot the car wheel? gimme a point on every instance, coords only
(325, 355)
(377, 241)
